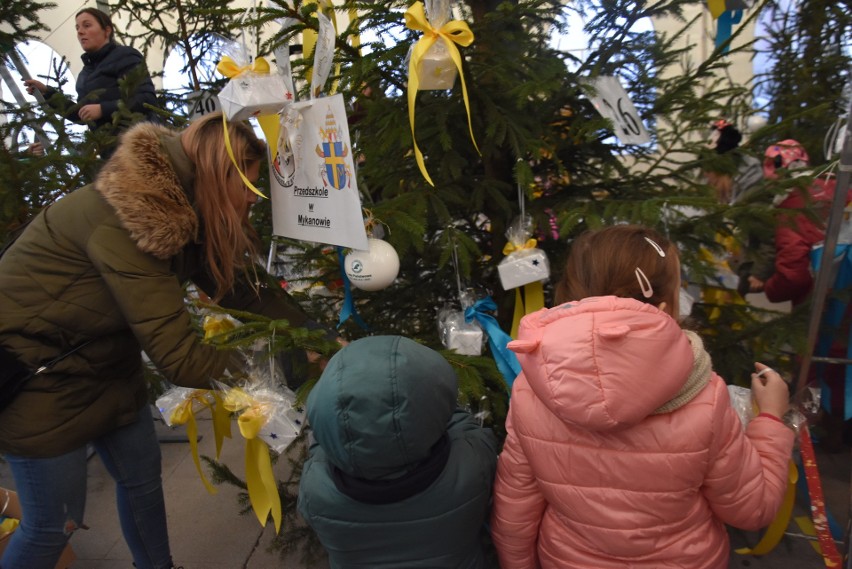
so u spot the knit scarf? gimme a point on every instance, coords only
(698, 378)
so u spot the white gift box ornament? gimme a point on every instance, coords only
(465, 341)
(436, 69)
(523, 266)
(252, 91)
(466, 338)
(373, 269)
(282, 428)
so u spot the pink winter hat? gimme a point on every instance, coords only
(782, 155)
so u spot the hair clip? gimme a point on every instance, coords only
(644, 283)
(655, 246)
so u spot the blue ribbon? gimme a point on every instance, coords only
(507, 361)
(348, 309)
(725, 24)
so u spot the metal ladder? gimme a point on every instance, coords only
(821, 288)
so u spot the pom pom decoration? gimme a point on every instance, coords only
(373, 269)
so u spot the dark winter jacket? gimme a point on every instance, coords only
(398, 477)
(98, 82)
(107, 263)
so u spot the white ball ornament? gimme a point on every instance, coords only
(373, 269)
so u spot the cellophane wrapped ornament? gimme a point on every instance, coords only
(524, 262)
(743, 403)
(465, 338)
(254, 89)
(436, 71)
(272, 404)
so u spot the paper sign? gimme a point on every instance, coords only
(312, 178)
(613, 103)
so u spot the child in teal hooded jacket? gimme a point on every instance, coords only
(398, 476)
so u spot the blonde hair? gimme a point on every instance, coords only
(605, 262)
(230, 242)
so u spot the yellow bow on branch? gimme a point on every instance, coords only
(230, 69)
(452, 33)
(260, 480)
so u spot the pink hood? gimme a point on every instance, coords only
(605, 363)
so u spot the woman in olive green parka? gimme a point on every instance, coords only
(104, 268)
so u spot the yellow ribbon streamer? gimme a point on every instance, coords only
(511, 247)
(221, 422)
(807, 526)
(184, 414)
(260, 481)
(776, 529)
(532, 301)
(451, 33)
(229, 68)
(230, 150)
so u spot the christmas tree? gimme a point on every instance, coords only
(534, 144)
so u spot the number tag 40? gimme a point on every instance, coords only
(200, 103)
(613, 103)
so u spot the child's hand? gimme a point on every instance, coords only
(769, 390)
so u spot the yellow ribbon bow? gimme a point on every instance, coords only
(229, 68)
(510, 246)
(260, 481)
(184, 414)
(215, 325)
(451, 33)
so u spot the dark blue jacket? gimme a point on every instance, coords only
(98, 82)
(399, 476)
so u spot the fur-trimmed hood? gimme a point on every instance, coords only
(148, 181)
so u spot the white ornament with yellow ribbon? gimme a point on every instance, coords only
(253, 90)
(267, 419)
(424, 63)
(523, 264)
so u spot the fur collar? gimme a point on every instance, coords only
(141, 182)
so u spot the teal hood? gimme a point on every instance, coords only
(381, 404)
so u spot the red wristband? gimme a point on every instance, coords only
(771, 416)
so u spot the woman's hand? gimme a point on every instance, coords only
(90, 112)
(32, 85)
(770, 391)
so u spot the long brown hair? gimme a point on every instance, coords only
(230, 242)
(608, 262)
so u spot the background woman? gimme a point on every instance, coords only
(105, 63)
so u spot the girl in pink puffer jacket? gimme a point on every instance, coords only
(623, 449)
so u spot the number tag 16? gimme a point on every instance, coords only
(613, 103)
